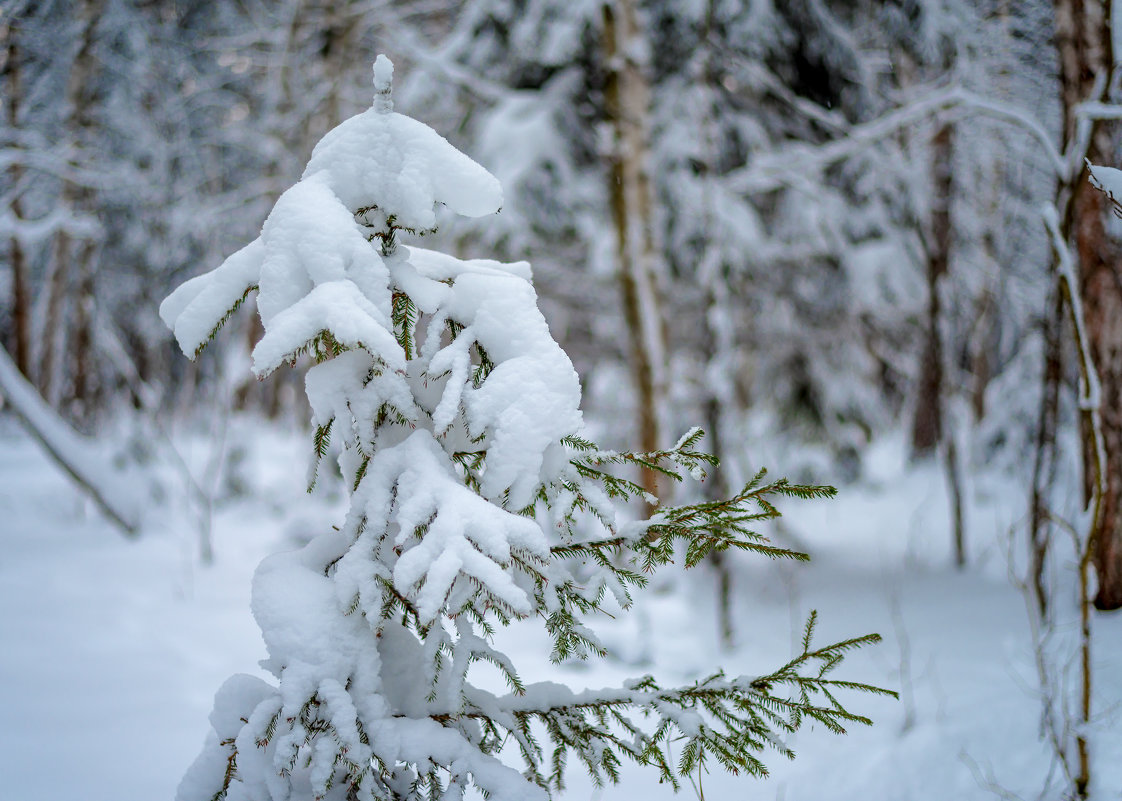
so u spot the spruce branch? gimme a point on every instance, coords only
(720, 525)
(222, 321)
(321, 442)
(672, 463)
(471, 467)
(628, 552)
(734, 720)
(404, 316)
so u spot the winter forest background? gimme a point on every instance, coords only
(856, 241)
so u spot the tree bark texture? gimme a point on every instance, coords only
(627, 100)
(82, 399)
(1044, 460)
(1084, 47)
(983, 343)
(21, 288)
(927, 427)
(66, 336)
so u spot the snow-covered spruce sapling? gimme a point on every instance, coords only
(475, 501)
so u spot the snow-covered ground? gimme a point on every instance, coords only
(110, 650)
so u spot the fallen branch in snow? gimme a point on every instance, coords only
(71, 451)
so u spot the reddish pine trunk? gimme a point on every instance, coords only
(1101, 289)
(1084, 46)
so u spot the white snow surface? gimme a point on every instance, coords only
(113, 649)
(383, 73)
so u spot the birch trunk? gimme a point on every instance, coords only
(627, 96)
(61, 328)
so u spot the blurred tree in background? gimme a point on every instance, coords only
(815, 219)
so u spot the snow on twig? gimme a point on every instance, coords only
(789, 163)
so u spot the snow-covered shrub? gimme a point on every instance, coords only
(475, 501)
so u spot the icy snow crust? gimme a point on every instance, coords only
(447, 399)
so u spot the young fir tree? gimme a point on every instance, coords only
(475, 501)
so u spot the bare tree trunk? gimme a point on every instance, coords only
(1084, 45)
(718, 339)
(1044, 460)
(954, 490)
(627, 96)
(52, 335)
(927, 428)
(982, 345)
(21, 289)
(82, 400)
(717, 488)
(60, 329)
(81, 351)
(983, 342)
(21, 304)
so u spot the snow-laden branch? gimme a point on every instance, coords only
(1107, 180)
(1090, 391)
(33, 231)
(732, 719)
(797, 161)
(447, 68)
(1099, 111)
(80, 458)
(51, 163)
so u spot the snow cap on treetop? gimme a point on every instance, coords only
(383, 84)
(391, 170)
(380, 169)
